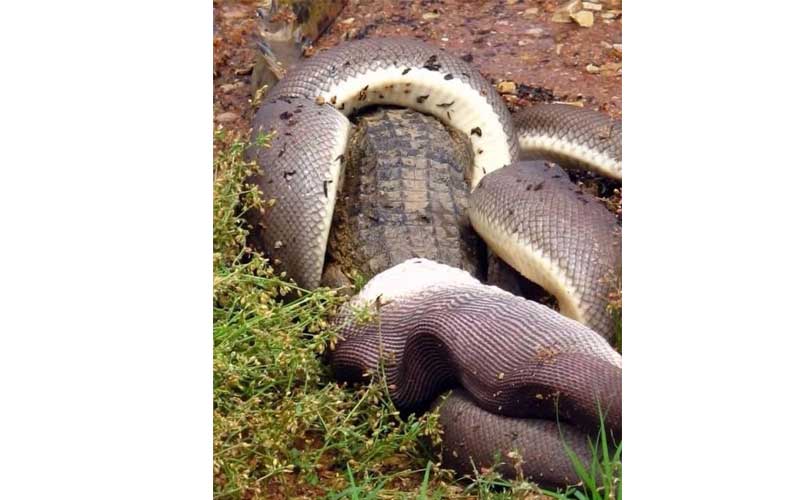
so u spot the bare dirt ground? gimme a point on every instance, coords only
(507, 40)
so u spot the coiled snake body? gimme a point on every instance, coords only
(437, 327)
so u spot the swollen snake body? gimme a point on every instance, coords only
(436, 327)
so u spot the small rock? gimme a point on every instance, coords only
(320, 100)
(611, 14)
(584, 18)
(429, 15)
(618, 48)
(592, 6)
(605, 44)
(229, 87)
(564, 12)
(227, 117)
(529, 13)
(559, 46)
(349, 20)
(537, 32)
(235, 13)
(507, 87)
(611, 68)
(591, 68)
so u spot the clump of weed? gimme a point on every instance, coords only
(281, 423)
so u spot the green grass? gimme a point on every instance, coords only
(283, 427)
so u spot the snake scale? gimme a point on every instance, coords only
(517, 365)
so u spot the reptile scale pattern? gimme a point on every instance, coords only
(404, 195)
(514, 357)
(472, 435)
(571, 136)
(302, 176)
(408, 61)
(534, 205)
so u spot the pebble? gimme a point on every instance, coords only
(349, 20)
(229, 87)
(618, 48)
(564, 12)
(591, 68)
(592, 6)
(507, 87)
(227, 117)
(529, 13)
(429, 15)
(584, 18)
(235, 13)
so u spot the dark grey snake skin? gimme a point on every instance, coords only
(533, 205)
(430, 327)
(324, 74)
(475, 438)
(437, 326)
(301, 176)
(515, 358)
(571, 136)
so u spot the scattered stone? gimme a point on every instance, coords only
(507, 87)
(230, 87)
(559, 46)
(584, 18)
(611, 14)
(235, 12)
(349, 20)
(537, 32)
(591, 68)
(227, 117)
(429, 15)
(563, 14)
(618, 48)
(530, 13)
(592, 6)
